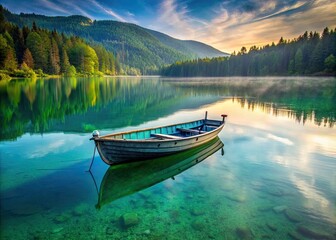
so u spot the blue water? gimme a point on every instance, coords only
(276, 179)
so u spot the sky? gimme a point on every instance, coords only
(224, 24)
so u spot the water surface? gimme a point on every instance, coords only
(276, 179)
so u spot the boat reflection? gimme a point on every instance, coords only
(125, 179)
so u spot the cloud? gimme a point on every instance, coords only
(50, 147)
(77, 8)
(288, 10)
(91, 9)
(230, 29)
(130, 14)
(52, 143)
(173, 19)
(285, 141)
(108, 11)
(54, 7)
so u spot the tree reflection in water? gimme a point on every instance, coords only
(84, 104)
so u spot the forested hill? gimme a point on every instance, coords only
(309, 54)
(139, 48)
(27, 51)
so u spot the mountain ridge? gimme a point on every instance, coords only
(134, 46)
(188, 44)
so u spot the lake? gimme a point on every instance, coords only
(274, 177)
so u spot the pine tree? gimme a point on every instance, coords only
(28, 58)
(35, 29)
(10, 62)
(330, 64)
(3, 50)
(55, 67)
(317, 60)
(2, 19)
(298, 62)
(19, 45)
(36, 47)
(65, 64)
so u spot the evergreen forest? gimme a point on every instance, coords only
(309, 54)
(27, 52)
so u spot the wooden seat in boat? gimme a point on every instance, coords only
(165, 136)
(190, 130)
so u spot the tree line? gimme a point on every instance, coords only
(309, 54)
(25, 52)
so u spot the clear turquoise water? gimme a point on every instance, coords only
(276, 180)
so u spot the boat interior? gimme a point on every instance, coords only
(178, 131)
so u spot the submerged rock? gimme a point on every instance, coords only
(275, 191)
(227, 186)
(272, 226)
(109, 231)
(244, 233)
(57, 230)
(236, 197)
(197, 225)
(314, 232)
(197, 212)
(293, 215)
(62, 218)
(129, 219)
(265, 208)
(80, 210)
(295, 236)
(256, 185)
(280, 209)
(174, 215)
(35, 236)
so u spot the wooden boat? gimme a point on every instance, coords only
(125, 179)
(156, 142)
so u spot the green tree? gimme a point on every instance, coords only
(70, 71)
(243, 51)
(330, 64)
(10, 62)
(36, 45)
(317, 60)
(29, 72)
(291, 67)
(3, 50)
(8, 59)
(9, 39)
(84, 58)
(54, 57)
(65, 64)
(19, 44)
(298, 61)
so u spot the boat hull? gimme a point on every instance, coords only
(115, 149)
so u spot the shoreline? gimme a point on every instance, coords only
(170, 77)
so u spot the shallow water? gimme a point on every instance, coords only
(276, 179)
